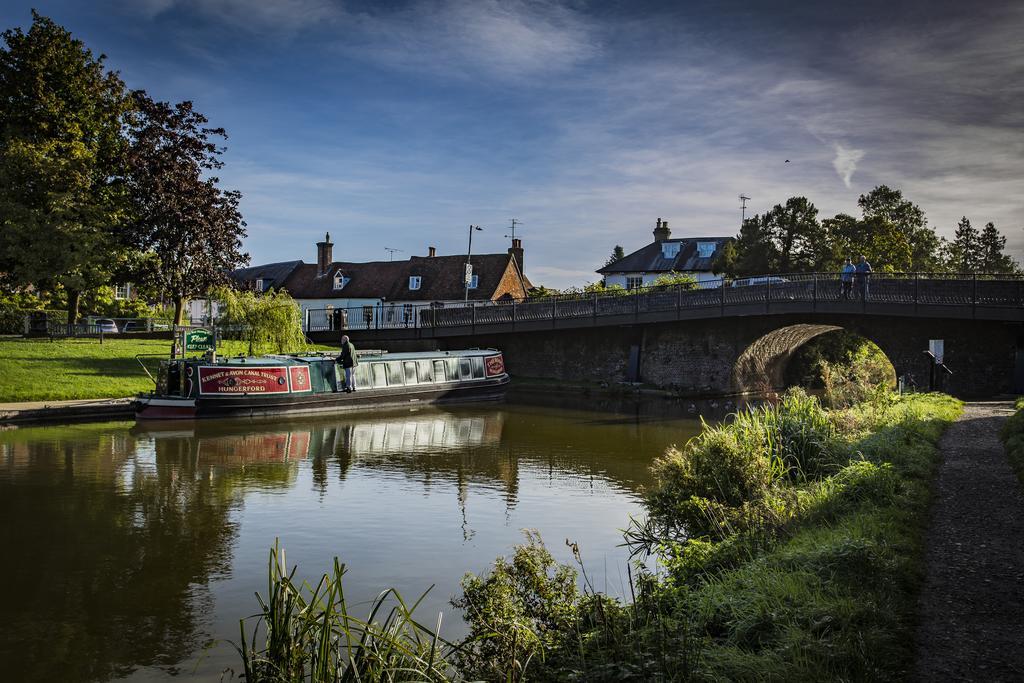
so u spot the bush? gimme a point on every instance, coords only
(520, 610)
(727, 479)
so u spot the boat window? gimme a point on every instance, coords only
(396, 377)
(453, 369)
(478, 367)
(426, 371)
(380, 375)
(439, 371)
(364, 378)
(410, 372)
(465, 369)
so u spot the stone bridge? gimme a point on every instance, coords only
(723, 340)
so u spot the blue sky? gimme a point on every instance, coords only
(397, 124)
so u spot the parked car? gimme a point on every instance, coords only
(764, 280)
(106, 326)
(134, 326)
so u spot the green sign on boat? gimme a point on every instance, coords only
(198, 340)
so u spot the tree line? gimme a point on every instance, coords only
(891, 232)
(100, 184)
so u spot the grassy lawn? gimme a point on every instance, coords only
(40, 370)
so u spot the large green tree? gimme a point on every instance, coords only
(189, 229)
(992, 244)
(963, 254)
(62, 199)
(886, 212)
(787, 238)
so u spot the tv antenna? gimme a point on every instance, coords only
(515, 222)
(391, 252)
(743, 207)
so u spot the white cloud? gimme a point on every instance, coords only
(462, 38)
(846, 162)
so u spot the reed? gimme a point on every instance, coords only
(308, 634)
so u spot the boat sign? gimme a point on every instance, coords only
(220, 379)
(198, 340)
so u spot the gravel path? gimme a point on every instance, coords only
(971, 610)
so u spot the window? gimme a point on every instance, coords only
(396, 375)
(425, 369)
(390, 314)
(634, 282)
(339, 280)
(259, 284)
(407, 313)
(364, 378)
(439, 371)
(465, 369)
(474, 281)
(705, 249)
(669, 249)
(478, 367)
(415, 281)
(368, 315)
(122, 291)
(380, 376)
(453, 369)
(410, 372)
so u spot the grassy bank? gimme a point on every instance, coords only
(41, 370)
(789, 547)
(1013, 439)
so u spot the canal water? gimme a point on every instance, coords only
(131, 552)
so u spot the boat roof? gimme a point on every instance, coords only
(278, 360)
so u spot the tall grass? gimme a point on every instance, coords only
(308, 634)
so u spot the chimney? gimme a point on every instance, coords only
(661, 232)
(431, 252)
(324, 255)
(517, 250)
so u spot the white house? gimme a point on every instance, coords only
(690, 255)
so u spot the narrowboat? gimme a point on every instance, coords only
(190, 388)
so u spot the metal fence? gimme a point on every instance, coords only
(897, 288)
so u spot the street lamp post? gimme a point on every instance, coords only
(469, 266)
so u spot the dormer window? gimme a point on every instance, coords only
(669, 249)
(474, 281)
(259, 285)
(414, 282)
(339, 281)
(706, 249)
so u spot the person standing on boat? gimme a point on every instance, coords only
(348, 361)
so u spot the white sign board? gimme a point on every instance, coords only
(936, 347)
(469, 273)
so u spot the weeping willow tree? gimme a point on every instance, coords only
(268, 321)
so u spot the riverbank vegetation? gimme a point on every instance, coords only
(1013, 439)
(784, 545)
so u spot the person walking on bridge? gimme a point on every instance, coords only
(349, 361)
(863, 276)
(847, 277)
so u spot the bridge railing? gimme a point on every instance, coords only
(943, 289)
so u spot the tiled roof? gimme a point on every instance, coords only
(272, 274)
(442, 278)
(650, 259)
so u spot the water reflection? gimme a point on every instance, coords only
(134, 550)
